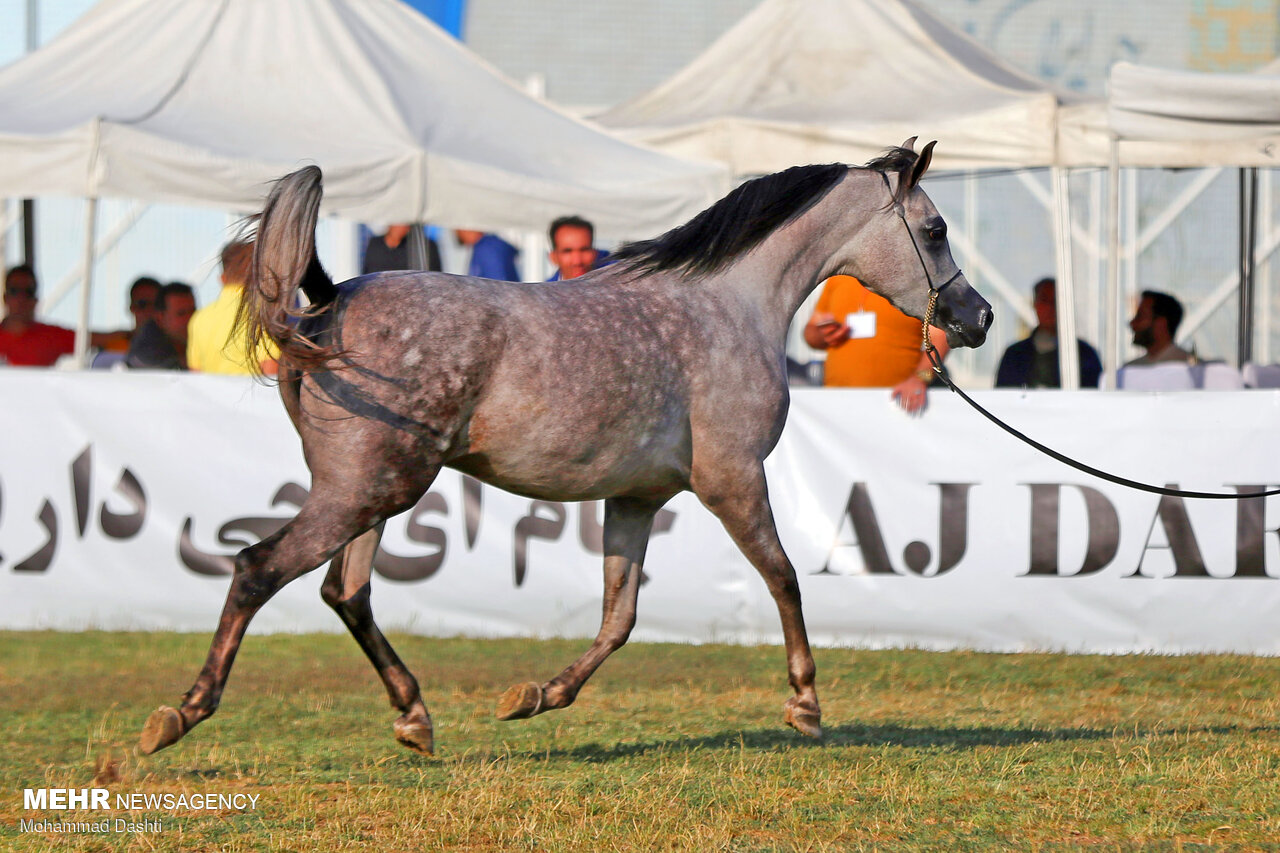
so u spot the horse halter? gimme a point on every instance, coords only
(926, 346)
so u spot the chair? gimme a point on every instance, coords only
(1261, 375)
(108, 361)
(1217, 376)
(1155, 377)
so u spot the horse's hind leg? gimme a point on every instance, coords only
(627, 523)
(741, 502)
(346, 590)
(321, 527)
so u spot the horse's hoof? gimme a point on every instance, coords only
(165, 726)
(805, 721)
(521, 701)
(415, 734)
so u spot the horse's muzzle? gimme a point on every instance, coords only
(964, 315)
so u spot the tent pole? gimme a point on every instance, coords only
(1068, 353)
(419, 257)
(4, 236)
(1248, 223)
(29, 232)
(86, 281)
(29, 205)
(1111, 300)
(109, 241)
(1262, 282)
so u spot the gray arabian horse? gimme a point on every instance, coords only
(662, 372)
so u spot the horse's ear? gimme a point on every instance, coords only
(910, 144)
(922, 164)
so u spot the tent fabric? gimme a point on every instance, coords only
(1178, 119)
(799, 81)
(1156, 103)
(1197, 118)
(205, 102)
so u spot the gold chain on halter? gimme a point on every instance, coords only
(925, 344)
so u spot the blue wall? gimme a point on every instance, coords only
(448, 14)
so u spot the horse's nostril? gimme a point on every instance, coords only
(985, 317)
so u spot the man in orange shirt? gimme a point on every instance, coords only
(871, 344)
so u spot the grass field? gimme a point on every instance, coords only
(668, 748)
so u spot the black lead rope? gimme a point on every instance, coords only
(941, 370)
(931, 351)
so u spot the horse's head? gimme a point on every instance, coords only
(903, 252)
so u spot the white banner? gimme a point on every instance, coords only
(124, 496)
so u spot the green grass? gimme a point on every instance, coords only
(668, 748)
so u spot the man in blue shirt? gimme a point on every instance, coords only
(1033, 361)
(491, 256)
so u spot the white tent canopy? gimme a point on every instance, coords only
(1156, 117)
(205, 101)
(802, 81)
(1213, 119)
(1159, 117)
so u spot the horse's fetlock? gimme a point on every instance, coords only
(402, 688)
(331, 594)
(559, 695)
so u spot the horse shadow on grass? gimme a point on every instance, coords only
(887, 734)
(949, 739)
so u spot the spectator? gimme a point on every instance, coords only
(211, 347)
(26, 342)
(1154, 326)
(491, 256)
(573, 251)
(144, 299)
(161, 344)
(1033, 361)
(395, 251)
(871, 344)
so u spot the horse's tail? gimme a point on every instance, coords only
(284, 260)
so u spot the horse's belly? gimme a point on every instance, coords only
(564, 461)
(653, 484)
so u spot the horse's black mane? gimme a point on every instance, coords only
(737, 223)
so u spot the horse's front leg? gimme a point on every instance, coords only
(627, 524)
(346, 589)
(740, 499)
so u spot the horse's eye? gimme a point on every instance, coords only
(936, 233)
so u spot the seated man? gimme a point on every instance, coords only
(573, 251)
(491, 256)
(24, 342)
(214, 344)
(395, 250)
(161, 344)
(1033, 361)
(144, 297)
(1154, 326)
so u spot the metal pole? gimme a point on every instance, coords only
(418, 254)
(86, 282)
(1262, 274)
(1248, 220)
(29, 206)
(1111, 298)
(1068, 351)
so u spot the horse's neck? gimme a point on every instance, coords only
(785, 268)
